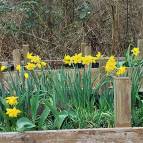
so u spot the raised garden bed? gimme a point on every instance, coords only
(113, 135)
(46, 99)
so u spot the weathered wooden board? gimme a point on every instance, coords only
(96, 74)
(115, 135)
(122, 101)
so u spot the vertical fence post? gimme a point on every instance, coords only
(122, 101)
(1, 73)
(140, 45)
(25, 50)
(85, 50)
(16, 57)
(83, 45)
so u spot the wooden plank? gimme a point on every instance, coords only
(122, 101)
(1, 73)
(82, 46)
(113, 135)
(56, 64)
(140, 46)
(94, 72)
(16, 57)
(25, 50)
(98, 72)
(87, 50)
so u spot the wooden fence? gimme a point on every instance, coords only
(114, 135)
(122, 110)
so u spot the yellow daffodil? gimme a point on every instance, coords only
(43, 64)
(18, 68)
(12, 112)
(121, 70)
(26, 75)
(39, 65)
(11, 100)
(36, 59)
(77, 58)
(110, 65)
(30, 66)
(87, 60)
(29, 56)
(94, 59)
(98, 56)
(67, 60)
(3, 68)
(135, 51)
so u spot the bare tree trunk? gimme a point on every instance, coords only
(115, 27)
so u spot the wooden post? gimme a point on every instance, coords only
(115, 26)
(122, 101)
(1, 73)
(83, 45)
(25, 50)
(140, 46)
(85, 49)
(16, 57)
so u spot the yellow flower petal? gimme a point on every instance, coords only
(30, 66)
(12, 112)
(26, 75)
(135, 51)
(11, 100)
(43, 64)
(121, 70)
(29, 56)
(3, 68)
(18, 68)
(110, 65)
(67, 60)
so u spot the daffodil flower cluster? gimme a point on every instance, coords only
(111, 63)
(121, 70)
(111, 67)
(18, 68)
(78, 58)
(34, 62)
(12, 112)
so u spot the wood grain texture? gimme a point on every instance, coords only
(116, 135)
(82, 46)
(96, 72)
(25, 50)
(140, 46)
(1, 73)
(122, 101)
(16, 57)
